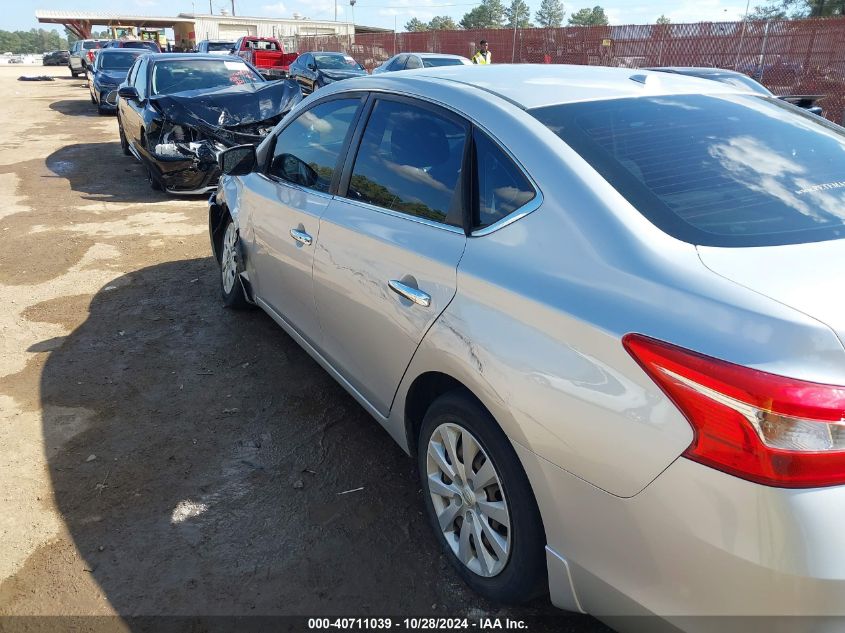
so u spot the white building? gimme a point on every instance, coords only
(229, 27)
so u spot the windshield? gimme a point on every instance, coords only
(429, 62)
(336, 62)
(90, 45)
(138, 44)
(196, 74)
(715, 170)
(220, 46)
(118, 60)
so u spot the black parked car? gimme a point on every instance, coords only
(107, 72)
(176, 111)
(56, 58)
(314, 70)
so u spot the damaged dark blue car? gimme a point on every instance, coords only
(176, 112)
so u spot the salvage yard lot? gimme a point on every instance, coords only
(160, 454)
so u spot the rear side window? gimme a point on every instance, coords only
(307, 150)
(500, 187)
(723, 170)
(430, 62)
(410, 160)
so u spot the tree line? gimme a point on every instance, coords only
(494, 14)
(36, 41)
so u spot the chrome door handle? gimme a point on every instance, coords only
(301, 236)
(412, 294)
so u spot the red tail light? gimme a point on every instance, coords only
(91, 56)
(762, 427)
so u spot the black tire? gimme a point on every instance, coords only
(124, 144)
(155, 184)
(234, 297)
(524, 575)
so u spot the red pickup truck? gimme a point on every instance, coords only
(267, 54)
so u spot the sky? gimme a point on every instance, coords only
(20, 14)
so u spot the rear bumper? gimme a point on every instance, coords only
(696, 542)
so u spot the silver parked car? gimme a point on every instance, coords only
(411, 61)
(600, 306)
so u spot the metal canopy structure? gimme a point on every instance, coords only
(80, 22)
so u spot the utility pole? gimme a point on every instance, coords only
(233, 8)
(515, 23)
(210, 10)
(335, 10)
(352, 4)
(742, 35)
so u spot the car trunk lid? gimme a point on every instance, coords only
(802, 276)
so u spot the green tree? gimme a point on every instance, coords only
(32, 41)
(442, 23)
(414, 25)
(588, 17)
(550, 13)
(490, 14)
(663, 20)
(519, 14)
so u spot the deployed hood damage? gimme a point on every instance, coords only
(197, 124)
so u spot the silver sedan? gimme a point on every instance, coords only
(601, 307)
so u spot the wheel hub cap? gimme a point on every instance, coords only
(469, 500)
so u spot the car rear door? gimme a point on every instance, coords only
(390, 242)
(286, 202)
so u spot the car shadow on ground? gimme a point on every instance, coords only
(205, 465)
(101, 171)
(76, 107)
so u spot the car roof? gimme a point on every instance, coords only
(447, 55)
(536, 85)
(157, 57)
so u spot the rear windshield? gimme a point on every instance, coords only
(90, 45)
(196, 74)
(723, 170)
(336, 62)
(118, 60)
(148, 45)
(429, 62)
(220, 46)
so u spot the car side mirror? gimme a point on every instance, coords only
(111, 97)
(237, 161)
(312, 66)
(129, 92)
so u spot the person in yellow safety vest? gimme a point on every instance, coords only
(483, 54)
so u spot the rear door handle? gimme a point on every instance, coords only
(301, 236)
(412, 294)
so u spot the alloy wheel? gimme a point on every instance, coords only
(469, 500)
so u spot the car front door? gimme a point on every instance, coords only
(132, 110)
(390, 243)
(285, 204)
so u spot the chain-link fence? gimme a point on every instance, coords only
(790, 57)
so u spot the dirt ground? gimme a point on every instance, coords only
(160, 455)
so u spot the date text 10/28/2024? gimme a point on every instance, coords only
(430, 624)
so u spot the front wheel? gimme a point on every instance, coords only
(479, 501)
(231, 267)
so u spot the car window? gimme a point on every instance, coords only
(90, 45)
(117, 60)
(410, 160)
(398, 63)
(140, 82)
(431, 62)
(413, 62)
(500, 187)
(218, 46)
(715, 170)
(307, 150)
(130, 76)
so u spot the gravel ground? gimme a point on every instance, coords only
(162, 455)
